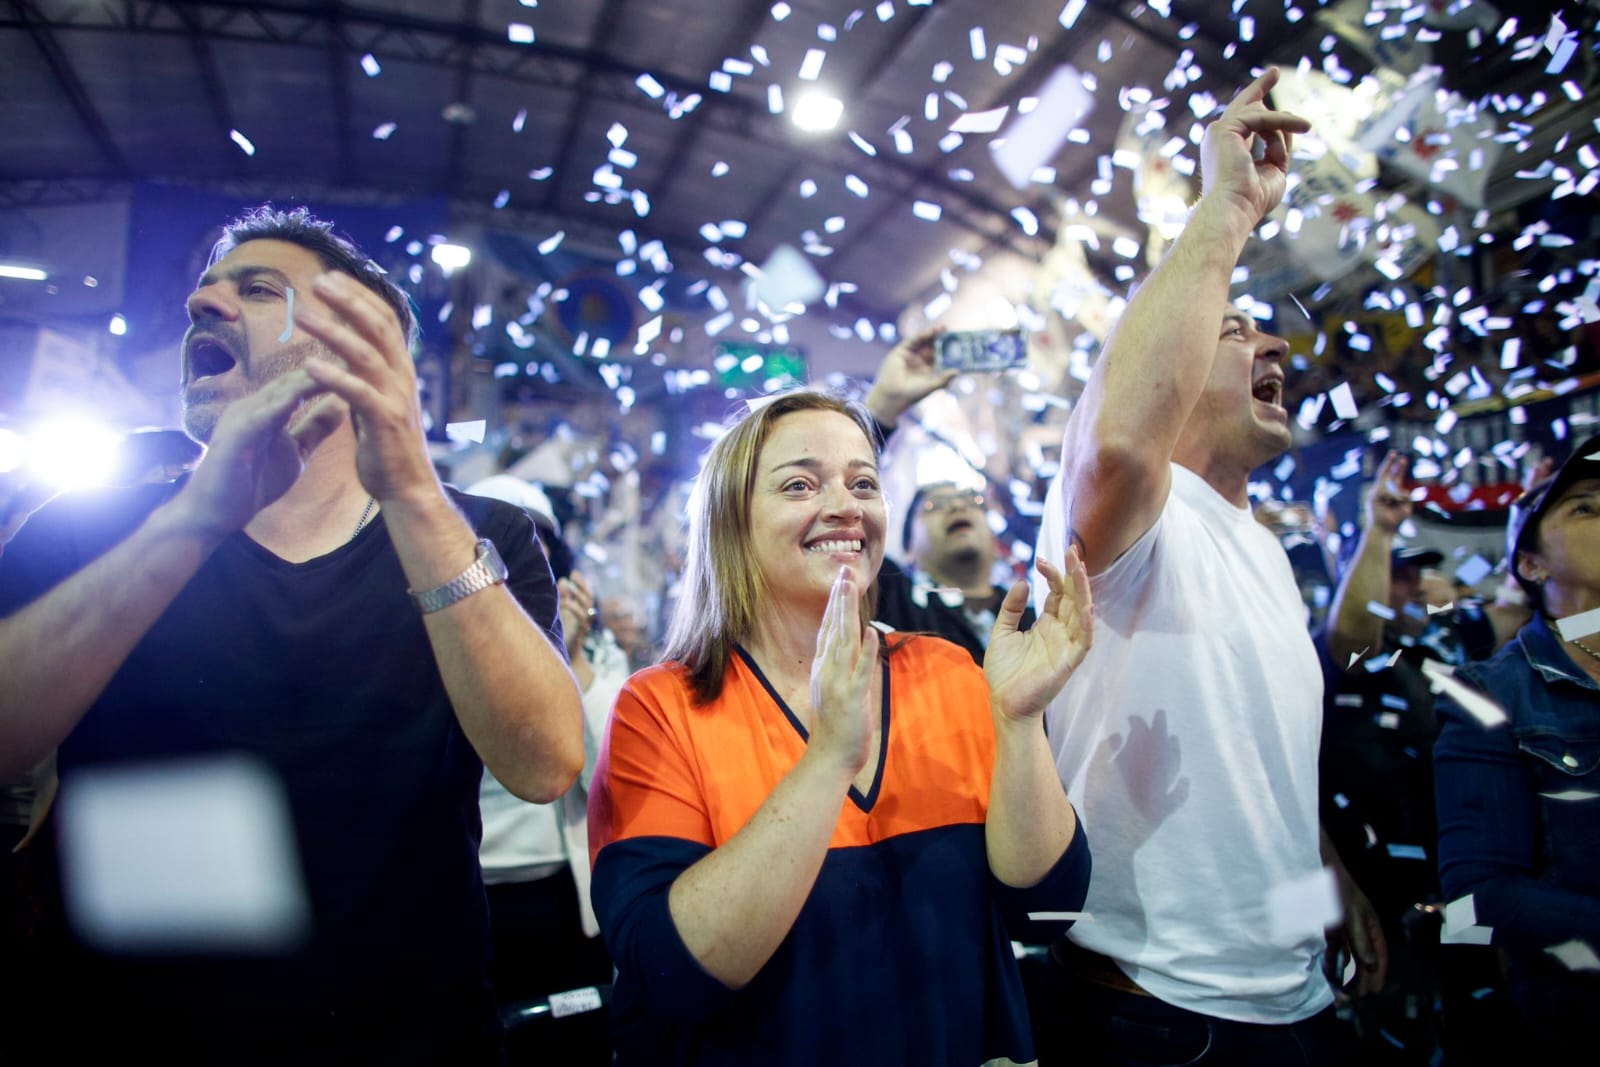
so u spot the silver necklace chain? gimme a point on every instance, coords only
(366, 514)
(1586, 648)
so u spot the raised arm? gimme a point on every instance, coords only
(58, 653)
(1121, 436)
(908, 373)
(512, 691)
(1354, 628)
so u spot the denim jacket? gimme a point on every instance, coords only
(1519, 819)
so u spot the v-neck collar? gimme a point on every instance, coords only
(864, 803)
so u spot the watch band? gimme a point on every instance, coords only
(488, 569)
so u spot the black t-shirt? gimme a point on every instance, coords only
(1376, 760)
(904, 606)
(323, 671)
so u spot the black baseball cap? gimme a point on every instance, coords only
(1415, 556)
(1522, 526)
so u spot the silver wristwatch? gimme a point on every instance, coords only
(488, 569)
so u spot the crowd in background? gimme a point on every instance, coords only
(699, 879)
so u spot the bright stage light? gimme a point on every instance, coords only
(13, 450)
(817, 111)
(72, 453)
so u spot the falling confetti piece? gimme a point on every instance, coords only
(1576, 955)
(1474, 570)
(1441, 679)
(1461, 924)
(243, 142)
(288, 315)
(467, 432)
(1574, 627)
(787, 277)
(1303, 907)
(981, 121)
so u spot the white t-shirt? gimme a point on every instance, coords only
(1187, 740)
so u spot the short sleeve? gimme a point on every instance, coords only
(647, 825)
(529, 577)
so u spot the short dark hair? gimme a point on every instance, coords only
(908, 524)
(337, 252)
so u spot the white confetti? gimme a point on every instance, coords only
(1576, 955)
(1474, 570)
(1461, 924)
(1303, 907)
(1344, 401)
(981, 121)
(288, 315)
(1441, 679)
(179, 855)
(243, 142)
(1574, 627)
(470, 432)
(787, 277)
(1060, 916)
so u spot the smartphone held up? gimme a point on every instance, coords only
(980, 350)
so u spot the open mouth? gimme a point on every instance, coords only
(834, 546)
(207, 359)
(959, 524)
(1269, 391)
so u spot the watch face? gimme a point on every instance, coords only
(489, 556)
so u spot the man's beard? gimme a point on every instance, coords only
(201, 412)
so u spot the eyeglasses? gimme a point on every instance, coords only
(949, 501)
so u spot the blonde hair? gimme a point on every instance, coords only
(722, 586)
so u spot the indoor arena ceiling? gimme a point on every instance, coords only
(674, 119)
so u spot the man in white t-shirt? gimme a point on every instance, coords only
(1188, 740)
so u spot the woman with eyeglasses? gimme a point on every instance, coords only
(811, 842)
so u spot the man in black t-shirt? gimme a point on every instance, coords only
(312, 598)
(949, 589)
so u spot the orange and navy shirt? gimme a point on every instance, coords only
(901, 952)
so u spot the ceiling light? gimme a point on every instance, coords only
(450, 257)
(817, 111)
